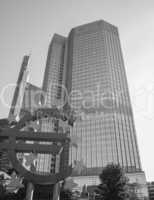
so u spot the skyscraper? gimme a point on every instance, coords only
(101, 94)
(89, 64)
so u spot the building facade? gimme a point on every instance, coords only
(87, 71)
(100, 94)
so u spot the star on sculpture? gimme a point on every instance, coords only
(30, 159)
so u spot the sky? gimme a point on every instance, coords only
(26, 27)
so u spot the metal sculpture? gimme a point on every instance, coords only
(13, 140)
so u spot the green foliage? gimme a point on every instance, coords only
(113, 184)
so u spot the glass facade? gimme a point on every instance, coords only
(52, 80)
(90, 65)
(99, 94)
(48, 96)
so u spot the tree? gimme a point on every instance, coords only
(113, 184)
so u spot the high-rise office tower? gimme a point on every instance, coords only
(89, 64)
(98, 79)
